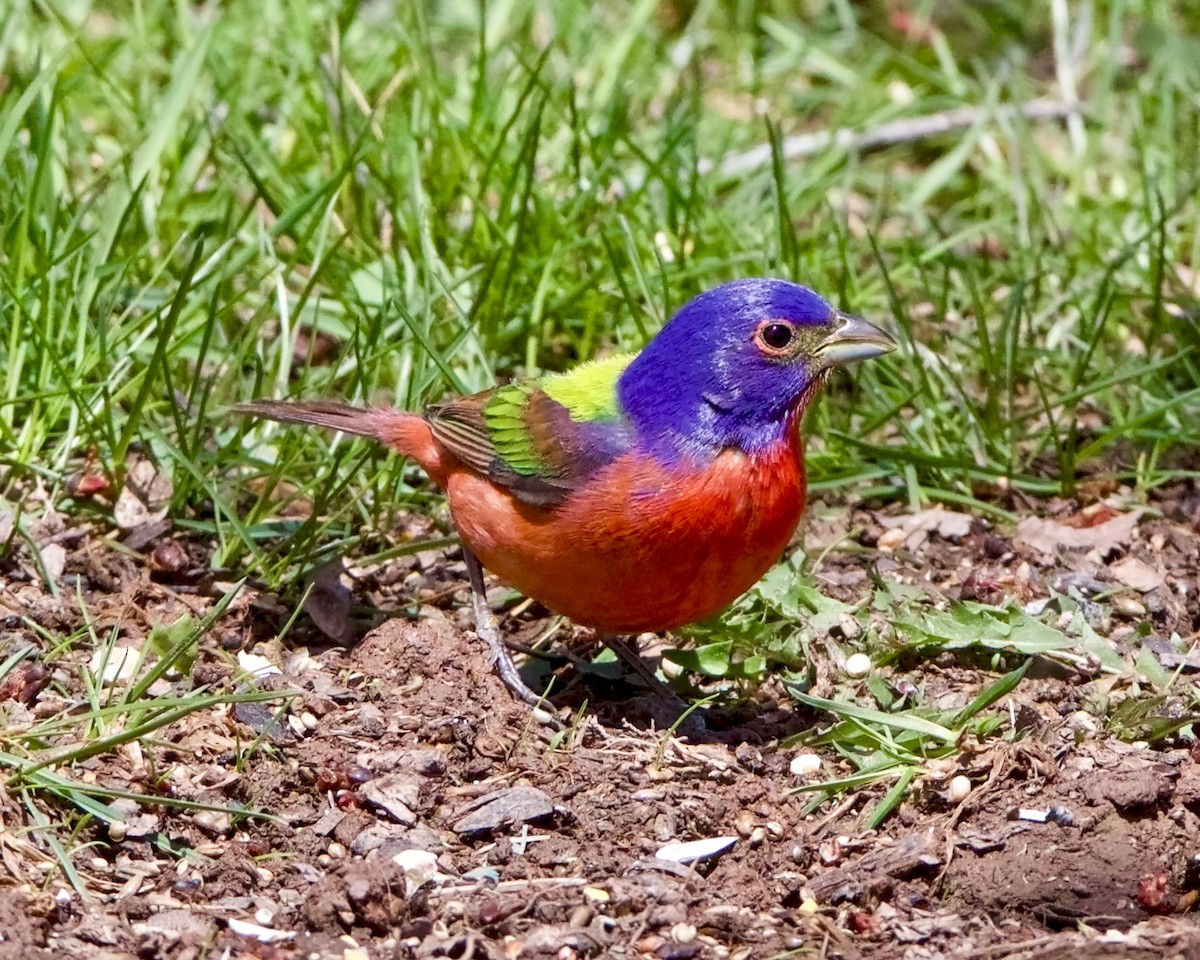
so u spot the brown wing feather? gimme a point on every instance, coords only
(565, 455)
(459, 426)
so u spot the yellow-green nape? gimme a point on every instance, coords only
(589, 391)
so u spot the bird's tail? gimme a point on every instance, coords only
(406, 433)
(360, 421)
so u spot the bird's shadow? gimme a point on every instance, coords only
(622, 701)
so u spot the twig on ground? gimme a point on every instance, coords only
(886, 134)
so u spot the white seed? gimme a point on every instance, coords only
(805, 764)
(683, 933)
(858, 665)
(336, 851)
(959, 789)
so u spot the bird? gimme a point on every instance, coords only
(639, 492)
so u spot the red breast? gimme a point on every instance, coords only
(641, 547)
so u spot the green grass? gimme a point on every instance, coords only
(463, 195)
(457, 193)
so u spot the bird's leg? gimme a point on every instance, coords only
(630, 657)
(488, 630)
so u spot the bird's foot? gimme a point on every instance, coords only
(487, 629)
(690, 721)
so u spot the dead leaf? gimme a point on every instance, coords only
(328, 602)
(24, 683)
(912, 530)
(1048, 537)
(146, 496)
(1134, 573)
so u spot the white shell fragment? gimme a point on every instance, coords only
(419, 866)
(244, 928)
(693, 850)
(114, 664)
(858, 665)
(257, 666)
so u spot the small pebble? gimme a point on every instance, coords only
(1129, 606)
(805, 764)
(213, 822)
(959, 789)
(1083, 722)
(891, 539)
(581, 916)
(850, 627)
(858, 665)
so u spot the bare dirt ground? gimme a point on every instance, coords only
(420, 812)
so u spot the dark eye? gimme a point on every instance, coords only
(776, 335)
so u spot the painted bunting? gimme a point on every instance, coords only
(638, 492)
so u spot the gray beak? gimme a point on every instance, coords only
(853, 339)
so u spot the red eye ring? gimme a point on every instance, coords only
(775, 338)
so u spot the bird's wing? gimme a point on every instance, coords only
(541, 439)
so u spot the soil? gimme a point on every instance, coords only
(544, 826)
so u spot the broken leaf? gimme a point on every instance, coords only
(1049, 537)
(145, 497)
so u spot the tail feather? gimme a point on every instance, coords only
(406, 433)
(361, 422)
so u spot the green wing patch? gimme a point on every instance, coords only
(505, 419)
(538, 438)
